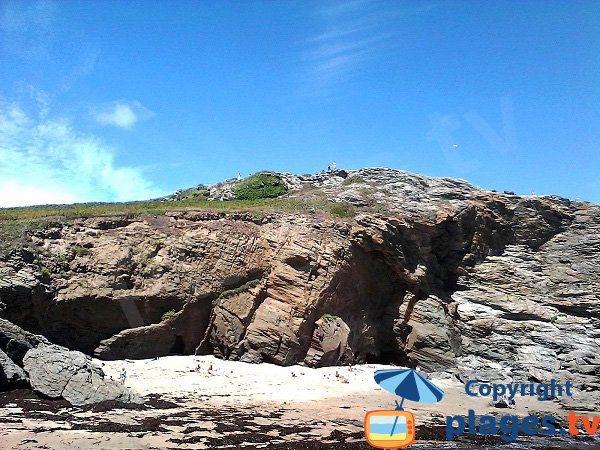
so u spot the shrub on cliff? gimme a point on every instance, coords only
(168, 315)
(342, 209)
(328, 317)
(238, 290)
(197, 193)
(260, 185)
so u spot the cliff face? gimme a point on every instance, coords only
(429, 272)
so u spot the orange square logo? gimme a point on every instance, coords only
(389, 429)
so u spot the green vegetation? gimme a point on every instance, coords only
(12, 232)
(80, 210)
(52, 214)
(254, 197)
(259, 186)
(329, 317)
(15, 223)
(79, 250)
(266, 269)
(144, 261)
(156, 243)
(148, 252)
(64, 257)
(167, 315)
(44, 272)
(197, 193)
(83, 284)
(231, 292)
(342, 209)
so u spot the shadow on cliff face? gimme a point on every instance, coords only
(179, 334)
(366, 296)
(395, 292)
(83, 322)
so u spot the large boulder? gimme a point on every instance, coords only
(52, 370)
(16, 342)
(11, 375)
(55, 372)
(138, 343)
(329, 344)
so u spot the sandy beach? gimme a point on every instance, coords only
(232, 405)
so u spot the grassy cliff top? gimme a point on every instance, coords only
(261, 192)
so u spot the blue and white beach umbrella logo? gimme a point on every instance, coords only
(408, 384)
(396, 428)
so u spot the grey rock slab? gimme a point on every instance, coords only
(58, 372)
(16, 342)
(11, 375)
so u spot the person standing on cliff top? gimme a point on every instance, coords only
(122, 376)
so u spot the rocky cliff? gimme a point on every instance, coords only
(419, 271)
(29, 360)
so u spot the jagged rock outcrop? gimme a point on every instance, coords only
(539, 307)
(27, 359)
(329, 345)
(422, 271)
(57, 372)
(16, 342)
(11, 375)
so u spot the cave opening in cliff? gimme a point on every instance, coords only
(178, 346)
(392, 356)
(360, 311)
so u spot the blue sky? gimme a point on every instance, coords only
(120, 100)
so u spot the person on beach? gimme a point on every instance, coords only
(503, 402)
(122, 375)
(510, 402)
(197, 369)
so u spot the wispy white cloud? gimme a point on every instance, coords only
(83, 65)
(41, 99)
(348, 36)
(336, 55)
(351, 34)
(123, 114)
(45, 160)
